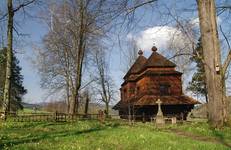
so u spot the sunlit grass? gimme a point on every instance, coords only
(203, 129)
(94, 135)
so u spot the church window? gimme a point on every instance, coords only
(164, 89)
(125, 93)
(132, 91)
(137, 90)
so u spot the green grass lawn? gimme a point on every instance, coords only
(92, 135)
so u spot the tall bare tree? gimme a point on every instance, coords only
(130, 53)
(9, 55)
(104, 82)
(214, 69)
(76, 26)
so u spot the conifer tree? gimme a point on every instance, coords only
(17, 89)
(198, 85)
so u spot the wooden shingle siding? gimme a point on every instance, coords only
(142, 87)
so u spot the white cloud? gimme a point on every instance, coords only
(157, 36)
(169, 40)
(163, 37)
(195, 22)
(167, 37)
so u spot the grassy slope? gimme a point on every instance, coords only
(111, 135)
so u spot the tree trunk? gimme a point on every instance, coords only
(225, 99)
(72, 109)
(86, 104)
(6, 94)
(68, 96)
(212, 61)
(107, 109)
(79, 60)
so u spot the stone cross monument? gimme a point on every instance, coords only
(159, 115)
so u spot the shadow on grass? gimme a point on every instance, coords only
(52, 135)
(221, 138)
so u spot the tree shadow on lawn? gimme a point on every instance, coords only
(217, 137)
(50, 135)
(220, 137)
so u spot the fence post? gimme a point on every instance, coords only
(143, 117)
(5, 117)
(101, 116)
(55, 116)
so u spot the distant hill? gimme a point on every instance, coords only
(60, 106)
(28, 105)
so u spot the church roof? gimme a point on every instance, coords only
(137, 66)
(157, 60)
(166, 100)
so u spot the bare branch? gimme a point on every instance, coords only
(129, 10)
(228, 58)
(181, 54)
(87, 84)
(227, 62)
(18, 8)
(23, 5)
(226, 39)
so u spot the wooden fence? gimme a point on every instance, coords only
(49, 117)
(62, 117)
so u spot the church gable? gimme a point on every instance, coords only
(154, 61)
(136, 67)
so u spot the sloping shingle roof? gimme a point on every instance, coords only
(137, 66)
(166, 100)
(157, 60)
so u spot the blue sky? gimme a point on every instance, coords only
(31, 78)
(146, 31)
(36, 30)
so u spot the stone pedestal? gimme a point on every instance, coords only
(173, 120)
(160, 120)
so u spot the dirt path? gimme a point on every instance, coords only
(199, 137)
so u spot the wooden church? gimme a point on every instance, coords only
(149, 80)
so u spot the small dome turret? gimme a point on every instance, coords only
(154, 49)
(140, 52)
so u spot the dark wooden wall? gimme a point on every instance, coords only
(150, 111)
(151, 85)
